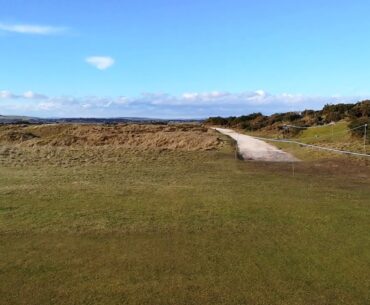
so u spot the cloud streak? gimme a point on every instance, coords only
(160, 105)
(34, 96)
(31, 29)
(5, 94)
(29, 95)
(100, 62)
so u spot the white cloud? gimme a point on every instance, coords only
(100, 62)
(31, 29)
(161, 105)
(34, 95)
(5, 94)
(30, 95)
(206, 96)
(47, 106)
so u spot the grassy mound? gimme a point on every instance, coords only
(172, 137)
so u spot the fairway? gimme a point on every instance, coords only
(181, 227)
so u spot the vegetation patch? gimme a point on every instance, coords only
(356, 114)
(172, 137)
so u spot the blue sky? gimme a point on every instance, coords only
(164, 58)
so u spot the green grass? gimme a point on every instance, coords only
(182, 228)
(335, 133)
(337, 136)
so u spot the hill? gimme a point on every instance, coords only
(291, 123)
(186, 137)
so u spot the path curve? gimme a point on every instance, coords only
(254, 149)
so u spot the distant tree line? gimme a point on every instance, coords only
(357, 114)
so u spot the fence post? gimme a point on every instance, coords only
(365, 136)
(332, 132)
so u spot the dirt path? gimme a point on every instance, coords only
(253, 149)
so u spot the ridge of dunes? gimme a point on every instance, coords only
(172, 137)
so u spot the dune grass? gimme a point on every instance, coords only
(169, 227)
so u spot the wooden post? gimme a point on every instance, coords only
(365, 136)
(332, 132)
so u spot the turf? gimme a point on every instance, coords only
(170, 227)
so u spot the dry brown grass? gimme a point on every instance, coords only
(133, 136)
(78, 145)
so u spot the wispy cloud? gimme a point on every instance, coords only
(30, 95)
(100, 62)
(5, 94)
(31, 29)
(34, 95)
(161, 105)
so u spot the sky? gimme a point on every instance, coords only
(181, 59)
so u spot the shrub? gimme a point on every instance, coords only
(357, 122)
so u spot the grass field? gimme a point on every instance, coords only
(103, 225)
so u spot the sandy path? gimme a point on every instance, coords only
(253, 149)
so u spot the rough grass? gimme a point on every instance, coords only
(181, 227)
(128, 136)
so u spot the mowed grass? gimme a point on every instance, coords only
(162, 227)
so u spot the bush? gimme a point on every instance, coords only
(334, 117)
(357, 122)
(358, 114)
(217, 121)
(361, 109)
